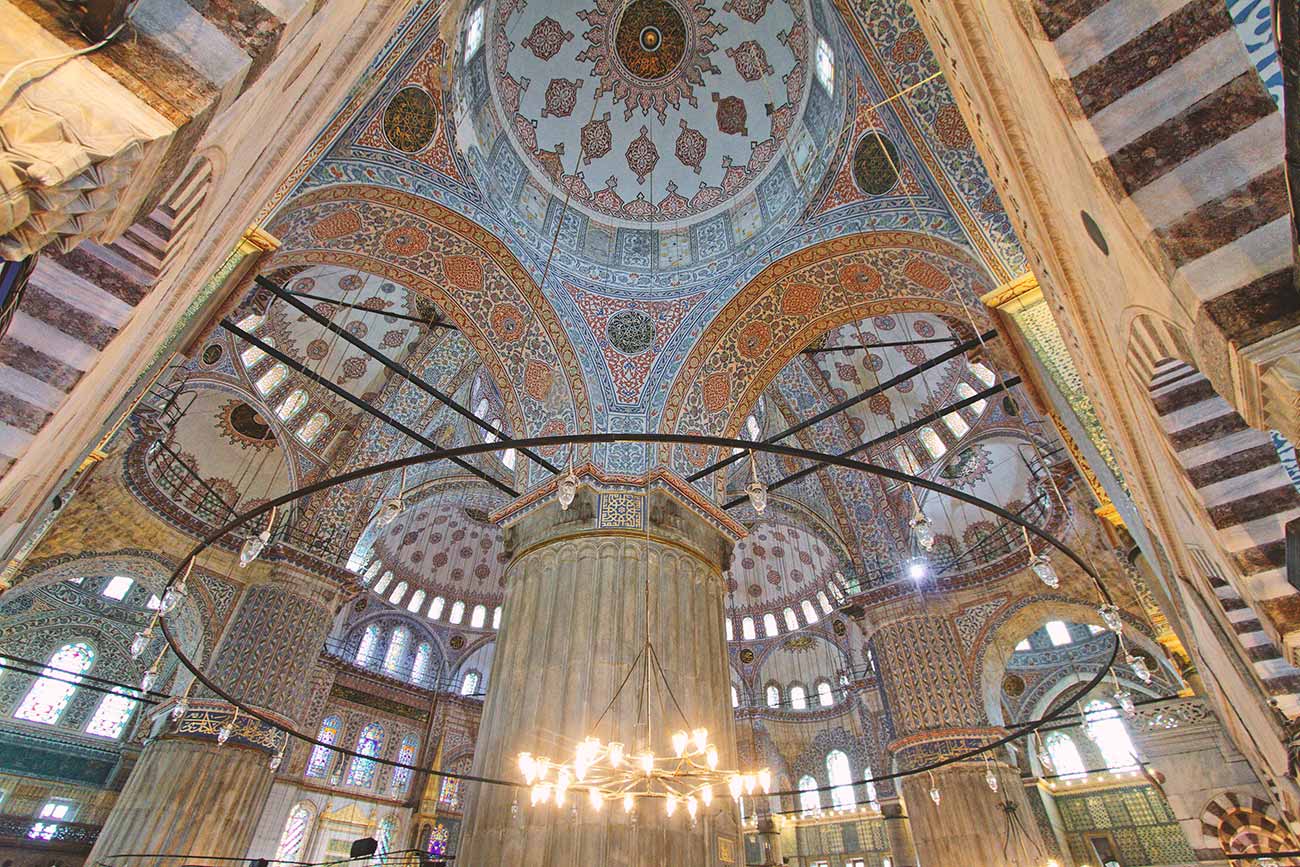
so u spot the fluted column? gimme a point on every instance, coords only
(902, 851)
(189, 795)
(573, 623)
(937, 714)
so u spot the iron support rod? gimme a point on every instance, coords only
(814, 350)
(402, 316)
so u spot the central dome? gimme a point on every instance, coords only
(641, 120)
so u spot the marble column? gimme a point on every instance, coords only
(769, 842)
(574, 621)
(902, 851)
(936, 714)
(189, 795)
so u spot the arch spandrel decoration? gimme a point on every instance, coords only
(794, 301)
(467, 272)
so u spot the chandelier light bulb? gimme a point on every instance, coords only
(736, 786)
(711, 757)
(276, 759)
(389, 511)
(628, 802)
(679, 743)
(670, 804)
(147, 682)
(917, 569)
(528, 767)
(701, 737)
(179, 709)
(692, 806)
(765, 780)
(1110, 616)
(750, 783)
(140, 643)
(1125, 699)
(1139, 667)
(566, 489)
(252, 548)
(922, 530)
(615, 754)
(224, 733)
(706, 794)
(992, 779)
(936, 795)
(562, 780)
(1042, 566)
(593, 798)
(648, 762)
(580, 770)
(757, 492)
(171, 597)
(543, 767)
(559, 796)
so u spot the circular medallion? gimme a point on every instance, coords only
(457, 642)
(410, 119)
(1013, 685)
(747, 656)
(212, 353)
(249, 423)
(874, 164)
(651, 38)
(630, 331)
(838, 627)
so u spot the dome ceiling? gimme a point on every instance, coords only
(441, 549)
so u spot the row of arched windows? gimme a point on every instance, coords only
(772, 628)
(839, 774)
(53, 690)
(291, 406)
(393, 659)
(361, 768)
(297, 827)
(798, 697)
(957, 425)
(415, 603)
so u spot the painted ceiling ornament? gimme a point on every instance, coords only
(410, 120)
(561, 96)
(596, 139)
(751, 60)
(750, 10)
(691, 146)
(642, 155)
(731, 115)
(546, 39)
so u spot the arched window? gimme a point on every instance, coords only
(825, 696)
(481, 410)
(319, 762)
(825, 65)
(50, 694)
(478, 617)
(112, 715)
(490, 437)
(251, 322)
(726, 622)
(417, 599)
(735, 696)
(933, 444)
(841, 778)
(369, 644)
(747, 629)
(312, 429)
(396, 650)
(823, 602)
(956, 424)
(362, 770)
(116, 588)
(773, 695)
(420, 667)
(398, 592)
(373, 570)
(292, 404)
(384, 837)
(496, 617)
(834, 587)
(474, 32)
(435, 607)
(906, 460)
(1064, 754)
(872, 797)
(964, 391)
(808, 613)
(791, 622)
(384, 581)
(405, 755)
(457, 612)
(1110, 735)
(1058, 633)
(295, 834)
(810, 800)
(449, 794)
(982, 372)
(752, 428)
(469, 685)
(769, 626)
(271, 380)
(253, 354)
(798, 698)
(508, 458)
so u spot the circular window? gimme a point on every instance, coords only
(651, 38)
(410, 120)
(630, 331)
(875, 161)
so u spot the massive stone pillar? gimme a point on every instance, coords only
(937, 714)
(573, 624)
(902, 850)
(191, 795)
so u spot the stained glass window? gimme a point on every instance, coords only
(965, 391)
(871, 787)
(747, 629)
(50, 694)
(773, 695)
(956, 424)
(405, 755)
(906, 460)
(250, 322)
(435, 607)
(735, 696)
(387, 830)
(730, 632)
(362, 770)
(253, 354)
(1110, 735)
(791, 622)
(449, 794)
(769, 626)
(752, 428)
(841, 778)
(117, 587)
(384, 581)
(478, 617)
(809, 614)
(496, 617)
(396, 650)
(982, 372)
(810, 800)
(474, 32)
(825, 696)
(292, 405)
(933, 444)
(417, 599)
(319, 763)
(112, 715)
(295, 833)
(369, 643)
(1058, 633)
(271, 380)
(51, 815)
(398, 592)
(798, 698)
(469, 686)
(420, 667)
(825, 65)
(823, 602)
(312, 429)
(457, 612)
(508, 458)
(1065, 755)
(373, 570)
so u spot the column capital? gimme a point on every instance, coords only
(934, 745)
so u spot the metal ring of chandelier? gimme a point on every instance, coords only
(236, 523)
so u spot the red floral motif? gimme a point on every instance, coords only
(691, 146)
(405, 241)
(353, 368)
(950, 128)
(538, 378)
(716, 391)
(732, 115)
(908, 47)
(642, 155)
(510, 91)
(508, 322)
(317, 349)
(754, 340)
(750, 10)
(801, 299)
(463, 272)
(553, 428)
(336, 225)
(750, 59)
(561, 96)
(860, 278)
(925, 275)
(546, 39)
(596, 139)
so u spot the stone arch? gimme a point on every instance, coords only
(1234, 823)
(1151, 338)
